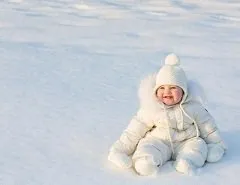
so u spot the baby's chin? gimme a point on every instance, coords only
(169, 102)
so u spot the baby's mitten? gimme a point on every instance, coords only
(215, 152)
(121, 160)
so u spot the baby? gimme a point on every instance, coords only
(169, 125)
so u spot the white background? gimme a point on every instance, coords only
(69, 76)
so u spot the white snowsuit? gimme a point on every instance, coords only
(159, 133)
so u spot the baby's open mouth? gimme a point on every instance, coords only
(167, 97)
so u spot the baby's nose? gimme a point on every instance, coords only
(167, 91)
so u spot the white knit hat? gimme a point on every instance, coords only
(171, 74)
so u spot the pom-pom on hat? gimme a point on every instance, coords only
(172, 59)
(172, 74)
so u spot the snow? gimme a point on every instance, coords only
(69, 74)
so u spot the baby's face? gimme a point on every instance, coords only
(169, 94)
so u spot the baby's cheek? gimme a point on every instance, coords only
(159, 95)
(159, 98)
(178, 96)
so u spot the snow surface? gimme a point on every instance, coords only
(69, 74)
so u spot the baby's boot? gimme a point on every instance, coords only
(185, 166)
(146, 166)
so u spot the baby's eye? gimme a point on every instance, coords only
(173, 87)
(161, 87)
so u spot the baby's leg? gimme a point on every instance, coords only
(190, 155)
(149, 155)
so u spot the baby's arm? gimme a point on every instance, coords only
(210, 133)
(126, 145)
